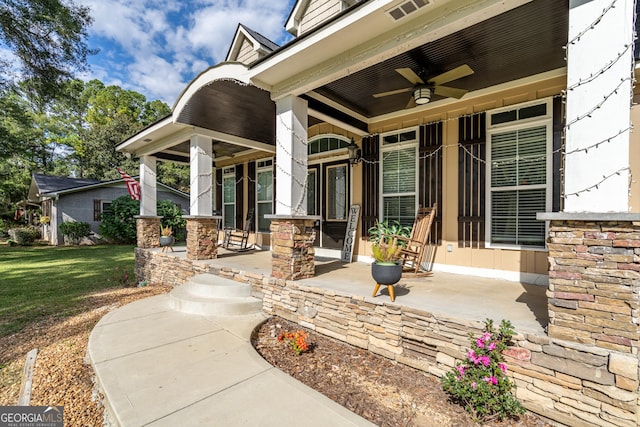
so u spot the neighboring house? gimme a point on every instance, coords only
(83, 200)
(459, 103)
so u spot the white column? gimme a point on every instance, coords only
(291, 156)
(200, 167)
(599, 72)
(148, 187)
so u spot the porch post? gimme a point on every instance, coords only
(598, 105)
(148, 222)
(594, 245)
(202, 227)
(292, 232)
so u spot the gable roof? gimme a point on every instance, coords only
(46, 183)
(260, 43)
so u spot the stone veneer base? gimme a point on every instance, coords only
(292, 248)
(202, 238)
(148, 231)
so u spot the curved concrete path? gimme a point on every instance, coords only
(160, 367)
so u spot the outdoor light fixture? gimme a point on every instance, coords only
(355, 154)
(422, 95)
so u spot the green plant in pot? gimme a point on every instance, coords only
(386, 268)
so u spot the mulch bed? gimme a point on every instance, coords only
(385, 392)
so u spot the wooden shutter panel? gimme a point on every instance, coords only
(218, 186)
(370, 182)
(96, 209)
(430, 178)
(558, 155)
(251, 189)
(239, 196)
(471, 180)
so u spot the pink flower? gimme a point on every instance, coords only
(491, 380)
(473, 385)
(492, 346)
(472, 356)
(486, 337)
(480, 343)
(484, 360)
(503, 367)
(460, 369)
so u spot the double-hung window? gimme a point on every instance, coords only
(229, 197)
(399, 169)
(519, 173)
(264, 190)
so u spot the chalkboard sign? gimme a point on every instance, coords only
(350, 235)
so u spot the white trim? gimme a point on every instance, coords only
(512, 276)
(264, 169)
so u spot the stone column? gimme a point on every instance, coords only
(148, 186)
(202, 237)
(599, 91)
(148, 231)
(594, 280)
(292, 247)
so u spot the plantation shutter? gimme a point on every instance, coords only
(239, 196)
(218, 186)
(370, 182)
(97, 207)
(471, 181)
(558, 164)
(430, 162)
(251, 189)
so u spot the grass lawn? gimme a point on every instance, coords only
(40, 281)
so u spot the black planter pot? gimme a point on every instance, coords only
(167, 240)
(386, 274)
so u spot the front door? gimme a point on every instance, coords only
(328, 196)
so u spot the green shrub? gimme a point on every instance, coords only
(119, 224)
(480, 383)
(24, 236)
(74, 231)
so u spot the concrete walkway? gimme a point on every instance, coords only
(160, 367)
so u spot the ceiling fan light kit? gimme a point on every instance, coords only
(422, 95)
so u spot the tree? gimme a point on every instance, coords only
(48, 38)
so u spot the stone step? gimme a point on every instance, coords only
(212, 286)
(184, 301)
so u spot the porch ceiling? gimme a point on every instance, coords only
(522, 42)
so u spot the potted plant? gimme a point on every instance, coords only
(386, 268)
(166, 237)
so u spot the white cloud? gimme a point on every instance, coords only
(157, 46)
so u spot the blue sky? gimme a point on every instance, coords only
(156, 47)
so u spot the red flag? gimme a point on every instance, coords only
(132, 185)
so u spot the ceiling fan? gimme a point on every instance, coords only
(421, 91)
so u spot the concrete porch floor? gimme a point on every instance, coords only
(451, 295)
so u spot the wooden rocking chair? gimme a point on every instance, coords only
(414, 246)
(236, 237)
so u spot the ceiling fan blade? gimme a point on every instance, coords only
(450, 92)
(447, 76)
(411, 103)
(392, 92)
(410, 75)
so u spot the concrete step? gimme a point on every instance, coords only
(211, 295)
(212, 286)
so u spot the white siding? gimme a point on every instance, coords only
(317, 12)
(247, 55)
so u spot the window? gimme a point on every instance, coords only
(229, 197)
(326, 143)
(337, 193)
(105, 206)
(264, 190)
(399, 176)
(518, 173)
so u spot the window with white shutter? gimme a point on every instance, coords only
(398, 157)
(519, 179)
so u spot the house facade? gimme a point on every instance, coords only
(515, 117)
(83, 200)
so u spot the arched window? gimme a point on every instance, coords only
(324, 143)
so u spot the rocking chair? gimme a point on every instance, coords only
(239, 238)
(413, 247)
